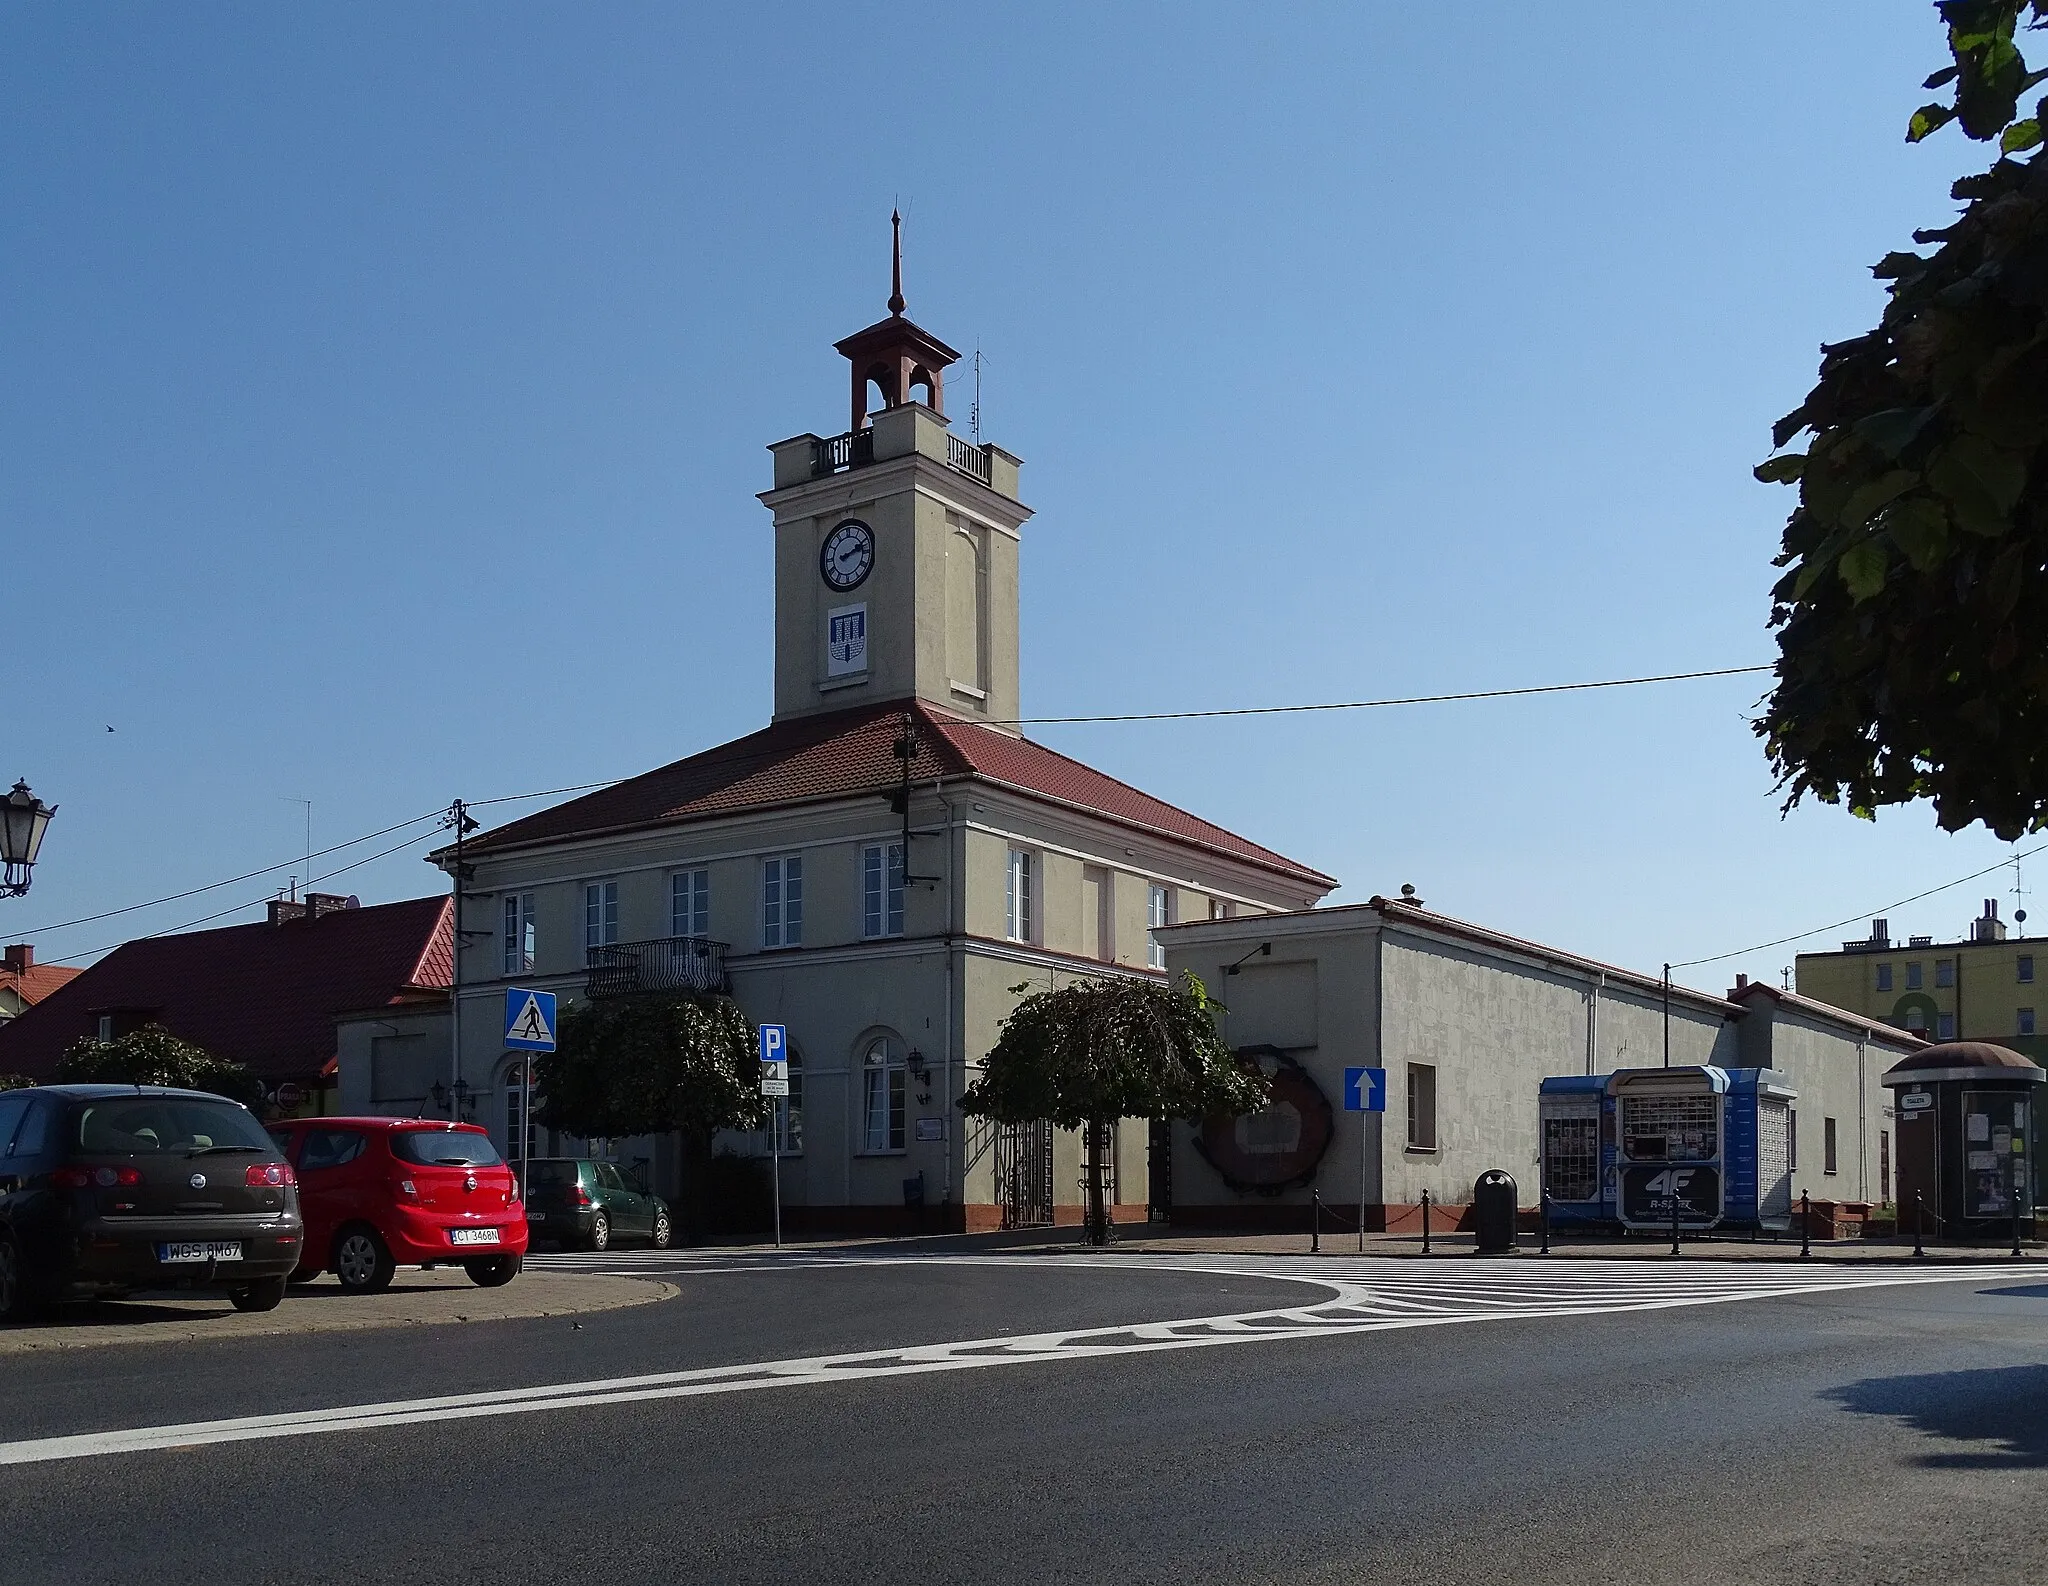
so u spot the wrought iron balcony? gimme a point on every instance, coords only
(683, 964)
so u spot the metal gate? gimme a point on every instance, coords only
(1024, 1174)
(1773, 1161)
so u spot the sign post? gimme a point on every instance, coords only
(529, 1028)
(775, 1086)
(1365, 1090)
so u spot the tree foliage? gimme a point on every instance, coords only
(649, 1065)
(1911, 613)
(154, 1056)
(1099, 1050)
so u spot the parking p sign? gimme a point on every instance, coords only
(775, 1059)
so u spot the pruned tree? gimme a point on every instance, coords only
(655, 1065)
(1100, 1050)
(154, 1056)
(1911, 613)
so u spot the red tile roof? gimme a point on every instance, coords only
(845, 754)
(35, 982)
(265, 995)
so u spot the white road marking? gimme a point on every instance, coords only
(1366, 1295)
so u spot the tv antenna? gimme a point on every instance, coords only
(974, 411)
(2019, 897)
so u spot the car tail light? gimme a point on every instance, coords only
(270, 1175)
(108, 1177)
(580, 1195)
(70, 1178)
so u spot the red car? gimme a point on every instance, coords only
(378, 1192)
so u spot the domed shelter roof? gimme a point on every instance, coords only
(1964, 1060)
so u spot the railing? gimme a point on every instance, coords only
(668, 963)
(854, 449)
(970, 459)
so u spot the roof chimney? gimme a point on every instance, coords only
(284, 910)
(319, 903)
(1880, 931)
(1742, 982)
(21, 957)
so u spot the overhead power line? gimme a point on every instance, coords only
(1025, 721)
(1862, 914)
(1381, 704)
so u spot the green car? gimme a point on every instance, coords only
(578, 1201)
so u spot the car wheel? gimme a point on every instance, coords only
(16, 1304)
(664, 1232)
(494, 1273)
(600, 1232)
(362, 1262)
(265, 1295)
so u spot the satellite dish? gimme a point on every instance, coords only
(352, 902)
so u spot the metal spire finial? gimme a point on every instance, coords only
(896, 262)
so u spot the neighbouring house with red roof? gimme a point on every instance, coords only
(882, 866)
(266, 995)
(24, 982)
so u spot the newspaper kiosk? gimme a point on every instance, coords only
(1620, 1149)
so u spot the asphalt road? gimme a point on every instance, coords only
(1451, 1421)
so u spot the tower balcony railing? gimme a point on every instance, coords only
(970, 459)
(854, 449)
(685, 964)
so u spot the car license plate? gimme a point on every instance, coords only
(180, 1254)
(472, 1236)
(536, 1217)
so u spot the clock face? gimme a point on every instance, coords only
(848, 554)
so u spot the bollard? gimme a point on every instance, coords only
(1315, 1232)
(2018, 1186)
(1805, 1226)
(1919, 1224)
(1671, 1175)
(1425, 1222)
(1545, 1248)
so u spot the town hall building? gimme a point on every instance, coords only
(881, 866)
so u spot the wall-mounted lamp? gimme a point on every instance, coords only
(1263, 950)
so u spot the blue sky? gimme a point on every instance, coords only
(385, 392)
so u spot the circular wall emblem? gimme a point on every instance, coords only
(197, 1181)
(1280, 1146)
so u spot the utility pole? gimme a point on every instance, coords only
(459, 819)
(1667, 1015)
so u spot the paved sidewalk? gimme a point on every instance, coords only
(415, 1298)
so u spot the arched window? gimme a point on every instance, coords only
(882, 1095)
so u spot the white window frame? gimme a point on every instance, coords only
(517, 935)
(884, 1098)
(881, 890)
(1020, 887)
(1158, 912)
(787, 1125)
(782, 901)
(689, 902)
(600, 913)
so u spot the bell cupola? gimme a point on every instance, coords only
(900, 360)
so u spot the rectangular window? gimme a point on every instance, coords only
(689, 903)
(1884, 1165)
(1792, 1139)
(1944, 972)
(1912, 977)
(881, 890)
(519, 937)
(1219, 909)
(2025, 964)
(1945, 1026)
(1158, 912)
(1829, 1164)
(600, 913)
(1884, 977)
(1017, 897)
(2026, 1021)
(1421, 1107)
(782, 901)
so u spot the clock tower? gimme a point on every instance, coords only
(896, 543)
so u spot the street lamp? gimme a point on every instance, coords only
(23, 818)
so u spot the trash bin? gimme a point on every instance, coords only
(1493, 1211)
(913, 1190)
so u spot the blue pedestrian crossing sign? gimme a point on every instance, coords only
(529, 1019)
(1365, 1090)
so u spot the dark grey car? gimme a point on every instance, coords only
(107, 1189)
(581, 1201)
